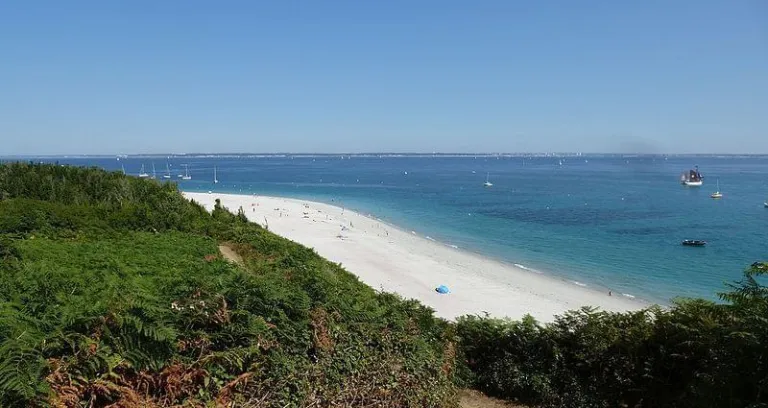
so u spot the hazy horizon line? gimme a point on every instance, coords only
(373, 153)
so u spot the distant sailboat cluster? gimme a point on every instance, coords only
(690, 178)
(167, 175)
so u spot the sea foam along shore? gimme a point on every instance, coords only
(394, 260)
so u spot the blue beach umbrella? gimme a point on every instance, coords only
(442, 289)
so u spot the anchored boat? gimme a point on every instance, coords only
(142, 173)
(717, 194)
(487, 181)
(692, 178)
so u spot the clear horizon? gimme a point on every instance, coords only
(298, 153)
(88, 77)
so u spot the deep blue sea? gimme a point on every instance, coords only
(608, 222)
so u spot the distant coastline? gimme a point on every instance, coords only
(383, 155)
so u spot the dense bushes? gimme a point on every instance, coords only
(696, 354)
(112, 291)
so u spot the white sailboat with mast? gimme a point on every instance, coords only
(142, 173)
(167, 174)
(487, 181)
(717, 193)
(186, 173)
(154, 173)
(215, 180)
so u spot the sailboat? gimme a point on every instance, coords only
(167, 174)
(717, 193)
(216, 180)
(142, 173)
(122, 168)
(154, 173)
(186, 173)
(487, 182)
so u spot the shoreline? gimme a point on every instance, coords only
(476, 253)
(484, 257)
(392, 259)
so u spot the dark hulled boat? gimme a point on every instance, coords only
(692, 178)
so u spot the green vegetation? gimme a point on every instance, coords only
(113, 293)
(697, 354)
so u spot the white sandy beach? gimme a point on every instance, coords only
(402, 262)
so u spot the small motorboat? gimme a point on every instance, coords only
(694, 242)
(765, 204)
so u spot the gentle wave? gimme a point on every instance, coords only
(628, 295)
(429, 238)
(453, 246)
(525, 268)
(577, 283)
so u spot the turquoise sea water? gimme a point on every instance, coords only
(607, 222)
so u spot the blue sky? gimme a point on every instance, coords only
(349, 76)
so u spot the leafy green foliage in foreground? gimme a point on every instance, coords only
(112, 292)
(696, 354)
